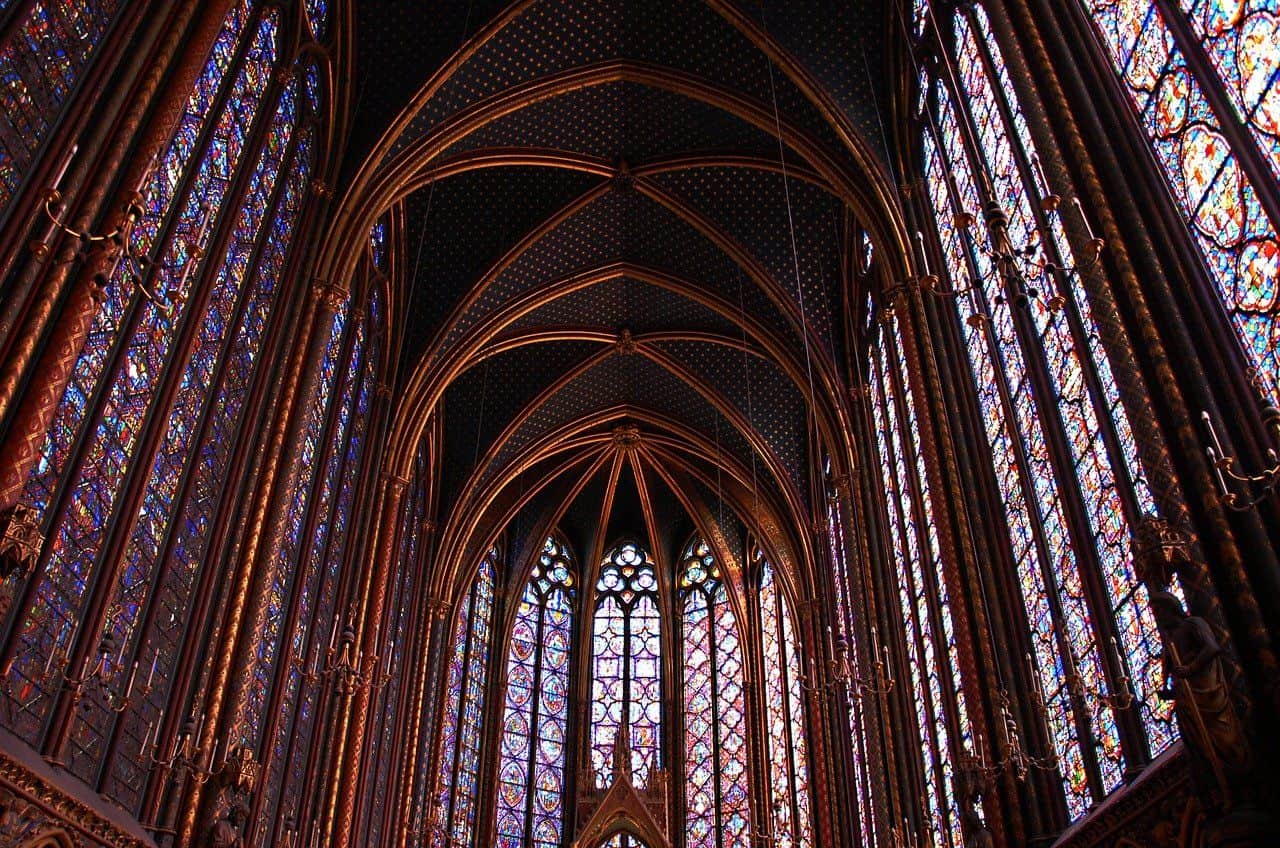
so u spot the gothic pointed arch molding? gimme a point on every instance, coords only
(761, 513)
(366, 199)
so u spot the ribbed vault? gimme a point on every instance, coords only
(626, 231)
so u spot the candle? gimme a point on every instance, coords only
(1080, 211)
(1213, 434)
(1041, 179)
(924, 257)
(205, 218)
(973, 298)
(62, 169)
(133, 676)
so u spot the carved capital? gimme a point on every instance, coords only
(1160, 548)
(331, 296)
(394, 483)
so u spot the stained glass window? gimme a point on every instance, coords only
(317, 17)
(130, 340)
(464, 711)
(715, 732)
(924, 606)
(1060, 441)
(43, 60)
(626, 663)
(378, 245)
(1233, 215)
(531, 760)
(788, 778)
(842, 582)
(282, 569)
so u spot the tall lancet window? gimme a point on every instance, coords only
(789, 803)
(48, 46)
(132, 471)
(1204, 80)
(531, 761)
(1059, 439)
(928, 633)
(626, 663)
(715, 732)
(464, 711)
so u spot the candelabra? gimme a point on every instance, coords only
(1120, 699)
(1239, 490)
(140, 265)
(840, 674)
(1016, 756)
(774, 835)
(98, 674)
(1017, 264)
(904, 836)
(345, 667)
(186, 755)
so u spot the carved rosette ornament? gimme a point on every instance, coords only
(626, 437)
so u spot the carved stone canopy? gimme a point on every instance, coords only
(624, 808)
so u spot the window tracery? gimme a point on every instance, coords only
(715, 728)
(1193, 70)
(44, 59)
(464, 710)
(531, 759)
(929, 634)
(788, 779)
(156, 398)
(626, 663)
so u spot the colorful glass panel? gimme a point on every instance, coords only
(317, 17)
(1220, 203)
(922, 594)
(843, 585)
(268, 628)
(626, 663)
(222, 351)
(531, 759)
(1098, 474)
(75, 532)
(464, 711)
(715, 734)
(788, 779)
(43, 60)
